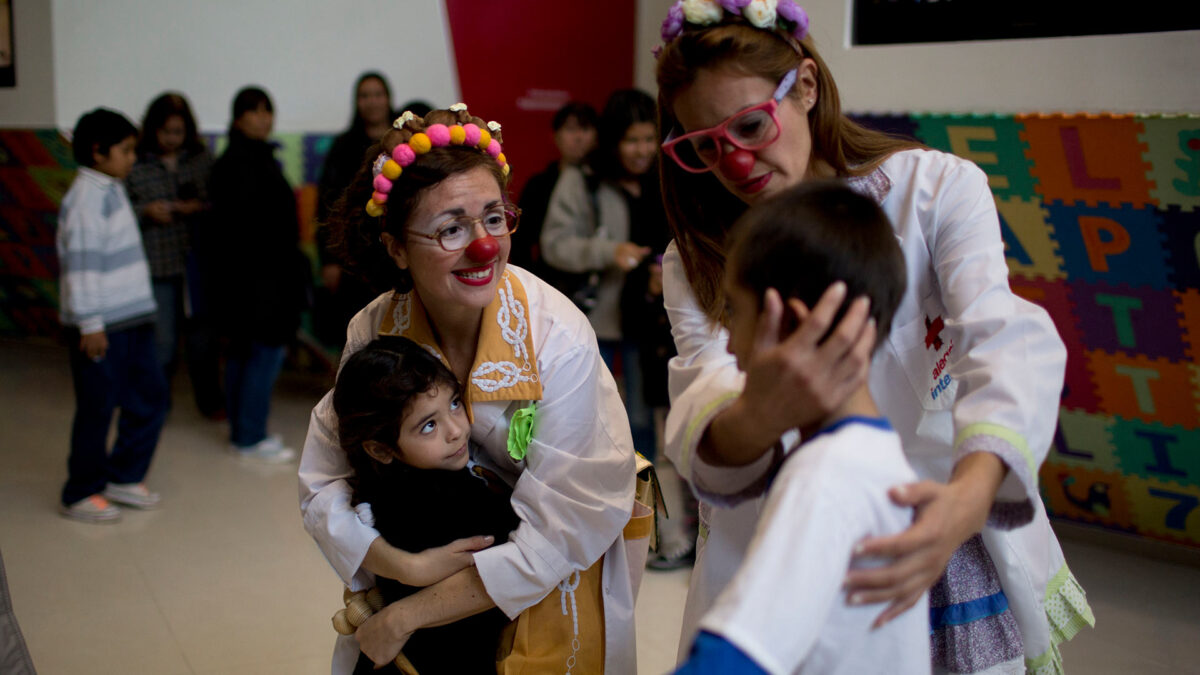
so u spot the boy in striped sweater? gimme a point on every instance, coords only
(107, 308)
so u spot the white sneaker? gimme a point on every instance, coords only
(136, 495)
(267, 451)
(94, 509)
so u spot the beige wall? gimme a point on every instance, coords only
(31, 102)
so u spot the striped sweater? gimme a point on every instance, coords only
(104, 278)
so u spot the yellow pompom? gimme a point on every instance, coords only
(504, 170)
(374, 210)
(485, 137)
(501, 158)
(420, 143)
(457, 134)
(391, 170)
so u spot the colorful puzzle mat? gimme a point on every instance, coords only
(1101, 226)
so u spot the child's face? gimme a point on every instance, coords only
(171, 136)
(119, 160)
(742, 310)
(256, 124)
(434, 432)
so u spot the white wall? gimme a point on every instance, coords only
(31, 102)
(123, 53)
(1149, 72)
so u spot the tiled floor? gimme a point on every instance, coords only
(223, 578)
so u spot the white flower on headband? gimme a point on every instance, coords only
(761, 13)
(703, 12)
(458, 107)
(377, 167)
(493, 127)
(406, 116)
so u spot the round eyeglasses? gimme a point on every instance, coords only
(751, 129)
(453, 235)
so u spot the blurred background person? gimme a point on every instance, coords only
(168, 187)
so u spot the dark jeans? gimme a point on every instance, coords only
(641, 418)
(201, 349)
(130, 378)
(250, 372)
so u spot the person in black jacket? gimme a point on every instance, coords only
(343, 294)
(263, 274)
(403, 426)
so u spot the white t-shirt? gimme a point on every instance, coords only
(786, 608)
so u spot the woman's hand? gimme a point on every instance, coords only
(945, 516)
(187, 207)
(795, 379)
(434, 564)
(427, 567)
(383, 635)
(159, 211)
(627, 255)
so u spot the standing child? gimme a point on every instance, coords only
(405, 431)
(785, 610)
(108, 309)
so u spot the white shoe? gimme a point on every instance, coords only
(267, 451)
(136, 495)
(94, 509)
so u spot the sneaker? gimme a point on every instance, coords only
(136, 495)
(267, 451)
(94, 509)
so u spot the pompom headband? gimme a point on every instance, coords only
(785, 15)
(389, 167)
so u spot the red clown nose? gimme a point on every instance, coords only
(737, 165)
(483, 249)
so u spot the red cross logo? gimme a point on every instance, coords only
(933, 330)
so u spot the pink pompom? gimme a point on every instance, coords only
(379, 197)
(493, 148)
(403, 154)
(439, 135)
(473, 133)
(382, 184)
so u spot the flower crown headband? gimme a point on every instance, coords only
(389, 166)
(785, 15)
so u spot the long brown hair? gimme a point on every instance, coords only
(355, 236)
(700, 210)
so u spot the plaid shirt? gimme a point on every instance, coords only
(167, 244)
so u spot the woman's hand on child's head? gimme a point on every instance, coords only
(944, 517)
(434, 564)
(792, 378)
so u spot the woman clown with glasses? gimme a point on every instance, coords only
(970, 376)
(546, 418)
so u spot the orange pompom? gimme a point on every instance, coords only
(485, 137)
(374, 210)
(391, 170)
(420, 143)
(457, 134)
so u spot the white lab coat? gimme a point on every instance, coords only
(989, 380)
(574, 491)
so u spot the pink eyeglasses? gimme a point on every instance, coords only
(751, 129)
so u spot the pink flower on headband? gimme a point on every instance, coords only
(790, 11)
(672, 26)
(734, 6)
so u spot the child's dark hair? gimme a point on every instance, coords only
(812, 235)
(375, 389)
(96, 132)
(161, 109)
(583, 113)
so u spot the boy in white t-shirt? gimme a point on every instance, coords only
(785, 611)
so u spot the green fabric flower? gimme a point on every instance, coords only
(520, 431)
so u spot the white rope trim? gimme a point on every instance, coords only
(566, 589)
